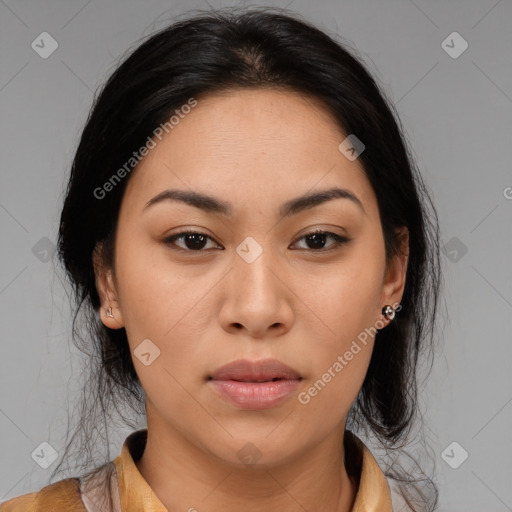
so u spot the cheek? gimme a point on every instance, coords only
(153, 294)
(341, 354)
(164, 303)
(345, 304)
(345, 298)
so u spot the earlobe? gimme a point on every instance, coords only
(110, 311)
(111, 316)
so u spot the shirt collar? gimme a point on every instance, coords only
(137, 496)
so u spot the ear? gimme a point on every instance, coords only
(106, 290)
(394, 279)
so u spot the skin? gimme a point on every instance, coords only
(255, 149)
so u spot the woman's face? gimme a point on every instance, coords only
(254, 286)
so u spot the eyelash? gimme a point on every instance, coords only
(339, 240)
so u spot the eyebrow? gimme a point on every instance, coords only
(211, 204)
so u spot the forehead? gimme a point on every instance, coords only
(240, 143)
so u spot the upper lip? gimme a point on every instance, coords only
(255, 371)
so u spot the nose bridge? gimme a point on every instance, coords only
(255, 260)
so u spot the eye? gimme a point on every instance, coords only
(194, 241)
(318, 237)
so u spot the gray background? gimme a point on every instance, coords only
(456, 113)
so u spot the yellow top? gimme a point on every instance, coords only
(131, 493)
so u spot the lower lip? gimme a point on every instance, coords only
(256, 395)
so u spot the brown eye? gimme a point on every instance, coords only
(192, 240)
(317, 239)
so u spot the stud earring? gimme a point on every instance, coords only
(109, 313)
(388, 312)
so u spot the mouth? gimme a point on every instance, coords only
(255, 385)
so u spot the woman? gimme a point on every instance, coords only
(245, 224)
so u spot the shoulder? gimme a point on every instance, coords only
(62, 496)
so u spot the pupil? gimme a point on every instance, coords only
(318, 237)
(196, 236)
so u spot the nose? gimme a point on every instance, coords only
(257, 298)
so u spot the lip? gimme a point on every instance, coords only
(255, 384)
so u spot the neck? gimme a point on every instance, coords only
(187, 478)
